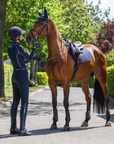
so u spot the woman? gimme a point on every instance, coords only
(20, 81)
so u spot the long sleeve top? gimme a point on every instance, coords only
(19, 56)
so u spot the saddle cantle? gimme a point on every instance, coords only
(75, 49)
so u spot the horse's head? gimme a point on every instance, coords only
(40, 28)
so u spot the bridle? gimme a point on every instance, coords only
(37, 37)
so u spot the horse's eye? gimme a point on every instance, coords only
(41, 23)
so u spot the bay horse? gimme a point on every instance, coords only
(60, 68)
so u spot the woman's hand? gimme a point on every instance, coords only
(34, 47)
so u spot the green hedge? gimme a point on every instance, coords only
(78, 83)
(110, 80)
(42, 78)
(8, 70)
(110, 58)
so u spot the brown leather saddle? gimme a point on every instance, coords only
(74, 49)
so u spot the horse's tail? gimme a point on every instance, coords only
(98, 98)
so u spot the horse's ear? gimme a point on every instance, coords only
(39, 12)
(45, 13)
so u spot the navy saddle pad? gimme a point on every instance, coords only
(86, 55)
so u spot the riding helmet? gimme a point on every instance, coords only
(14, 32)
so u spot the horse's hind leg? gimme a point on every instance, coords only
(85, 88)
(102, 79)
(66, 106)
(53, 88)
(106, 98)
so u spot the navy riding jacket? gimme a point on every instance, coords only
(19, 56)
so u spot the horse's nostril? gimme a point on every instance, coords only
(29, 37)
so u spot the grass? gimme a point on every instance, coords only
(35, 88)
(10, 95)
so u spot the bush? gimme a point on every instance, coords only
(42, 78)
(110, 80)
(92, 82)
(8, 70)
(31, 83)
(78, 83)
(110, 58)
(75, 84)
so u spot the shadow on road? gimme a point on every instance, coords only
(7, 136)
(59, 130)
(104, 117)
(111, 107)
(39, 108)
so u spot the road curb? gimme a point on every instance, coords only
(111, 99)
(8, 103)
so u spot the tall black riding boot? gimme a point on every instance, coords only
(13, 129)
(23, 112)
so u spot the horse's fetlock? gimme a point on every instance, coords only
(67, 119)
(55, 119)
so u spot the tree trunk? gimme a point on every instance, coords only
(36, 70)
(32, 70)
(39, 66)
(3, 4)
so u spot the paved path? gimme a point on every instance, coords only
(39, 120)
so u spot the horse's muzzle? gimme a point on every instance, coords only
(29, 39)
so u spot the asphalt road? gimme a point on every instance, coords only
(39, 120)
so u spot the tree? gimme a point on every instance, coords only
(2, 24)
(105, 39)
(77, 19)
(96, 15)
(95, 12)
(23, 13)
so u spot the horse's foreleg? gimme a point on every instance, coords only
(66, 106)
(85, 88)
(54, 104)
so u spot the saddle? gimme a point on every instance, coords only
(74, 49)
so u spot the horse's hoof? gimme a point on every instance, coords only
(66, 128)
(108, 123)
(84, 124)
(53, 127)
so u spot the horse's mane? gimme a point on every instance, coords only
(59, 33)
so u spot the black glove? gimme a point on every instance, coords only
(36, 58)
(38, 46)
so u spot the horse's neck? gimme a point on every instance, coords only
(54, 40)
